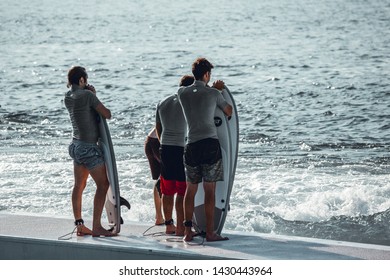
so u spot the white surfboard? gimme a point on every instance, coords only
(228, 133)
(113, 198)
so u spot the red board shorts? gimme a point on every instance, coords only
(171, 187)
(173, 179)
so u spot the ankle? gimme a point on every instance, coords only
(169, 222)
(79, 222)
(187, 224)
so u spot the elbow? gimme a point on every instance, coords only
(103, 111)
(229, 111)
(107, 114)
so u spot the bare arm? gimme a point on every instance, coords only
(219, 84)
(228, 110)
(102, 110)
(158, 130)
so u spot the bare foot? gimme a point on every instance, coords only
(83, 230)
(189, 236)
(159, 222)
(215, 237)
(170, 229)
(102, 232)
(179, 230)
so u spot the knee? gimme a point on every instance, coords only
(190, 192)
(79, 187)
(103, 187)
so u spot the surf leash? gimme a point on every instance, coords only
(68, 236)
(159, 233)
(200, 233)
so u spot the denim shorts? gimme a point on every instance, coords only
(88, 154)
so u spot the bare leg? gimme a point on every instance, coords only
(167, 201)
(209, 205)
(179, 215)
(157, 205)
(100, 177)
(80, 181)
(209, 194)
(189, 203)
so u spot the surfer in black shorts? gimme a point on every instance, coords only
(82, 104)
(202, 154)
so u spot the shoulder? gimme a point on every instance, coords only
(84, 93)
(182, 90)
(210, 91)
(88, 92)
(213, 90)
(91, 96)
(166, 100)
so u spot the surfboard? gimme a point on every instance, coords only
(113, 199)
(228, 134)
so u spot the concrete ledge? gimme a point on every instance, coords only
(22, 248)
(24, 237)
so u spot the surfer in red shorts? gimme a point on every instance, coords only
(171, 129)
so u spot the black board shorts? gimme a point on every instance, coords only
(203, 160)
(172, 166)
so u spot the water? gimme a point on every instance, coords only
(310, 78)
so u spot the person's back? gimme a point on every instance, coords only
(170, 115)
(199, 104)
(81, 104)
(171, 129)
(88, 159)
(202, 155)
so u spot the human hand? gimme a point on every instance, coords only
(218, 84)
(91, 88)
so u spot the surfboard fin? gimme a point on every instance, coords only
(124, 202)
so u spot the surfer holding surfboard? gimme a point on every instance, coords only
(82, 105)
(202, 155)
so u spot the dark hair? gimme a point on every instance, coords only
(75, 74)
(186, 80)
(200, 67)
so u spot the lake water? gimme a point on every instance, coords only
(310, 79)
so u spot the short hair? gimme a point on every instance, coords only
(75, 74)
(186, 80)
(200, 67)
